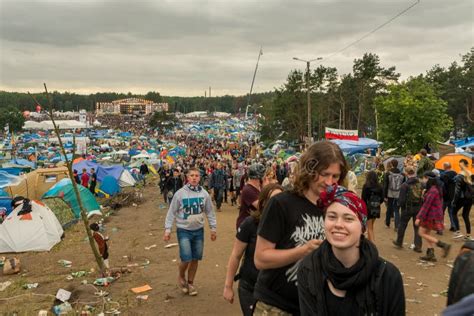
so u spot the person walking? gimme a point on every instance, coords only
(430, 217)
(144, 171)
(393, 180)
(410, 201)
(173, 184)
(245, 243)
(189, 206)
(291, 227)
(218, 185)
(345, 275)
(250, 192)
(448, 176)
(463, 197)
(372, 195)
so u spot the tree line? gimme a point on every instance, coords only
(371, 99)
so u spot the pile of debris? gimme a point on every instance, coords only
(124, 199)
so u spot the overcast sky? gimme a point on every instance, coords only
(181, 47)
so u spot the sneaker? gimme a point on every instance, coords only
(458, 235)
(192, 290)
(184, 287)
(418, 250)
(452, 229)
(468, 238)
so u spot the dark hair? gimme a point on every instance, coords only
(94, 226)
(464, 161)
(432, 181)
(423, 152)
(371, 180)
(315, 159)
(394, 163)
(263, 198)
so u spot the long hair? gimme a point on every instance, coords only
(263, 198)
(371, 180)
(317, 158)
(464, 165)
(432, 182)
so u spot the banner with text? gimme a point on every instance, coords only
(332, 133)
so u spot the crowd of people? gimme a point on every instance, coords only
(305, 243)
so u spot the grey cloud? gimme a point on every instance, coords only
(188, 45)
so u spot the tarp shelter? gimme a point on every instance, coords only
(65, 190)
(454, 160)
(123, 176)
(351, 146)
(38, 230)
(36, 183)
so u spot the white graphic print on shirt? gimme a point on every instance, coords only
(313, 228)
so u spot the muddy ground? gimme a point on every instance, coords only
(131, 229)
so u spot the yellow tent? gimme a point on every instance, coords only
(37, 182)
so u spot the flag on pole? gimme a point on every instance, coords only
(7, 128)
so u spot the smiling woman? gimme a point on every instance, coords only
(345, 275)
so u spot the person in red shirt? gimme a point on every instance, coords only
(85, 178)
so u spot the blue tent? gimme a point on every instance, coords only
(109, 185)
(65, 190)
(101, 171)
(351, 147)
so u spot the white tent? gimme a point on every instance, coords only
(126, 179)
(38, 230)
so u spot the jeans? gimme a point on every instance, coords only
(465, 204)
(191, 244)
(219, 195)
(408, 214)
(247, 301)
(392, 210)
(449, 206)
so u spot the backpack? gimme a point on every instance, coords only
(414, 195)
(395, 181)
(373, 205)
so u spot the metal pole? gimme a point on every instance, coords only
(309, 103)
(260, 53)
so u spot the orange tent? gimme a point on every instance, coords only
(454, 160)
(79, 159)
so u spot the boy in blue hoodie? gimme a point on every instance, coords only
(188, 206)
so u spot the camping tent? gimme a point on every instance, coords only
(38, 230)
(454, 160)
(37, 182)
(118, 172)
(65, 190)
(109, 186)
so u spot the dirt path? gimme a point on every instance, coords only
(134, 228)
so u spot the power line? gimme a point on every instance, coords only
(374, 30)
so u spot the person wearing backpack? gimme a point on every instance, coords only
(448, 176)
(410, 201)
(372, 195)
(463, 196)
(425, 164)
(392, 184)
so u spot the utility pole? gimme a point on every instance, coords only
(260, 53)
(209, 91)
(308, 63)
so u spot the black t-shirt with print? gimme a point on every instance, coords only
(247, 233)
(288, 221)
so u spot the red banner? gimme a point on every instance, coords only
(332, 133)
